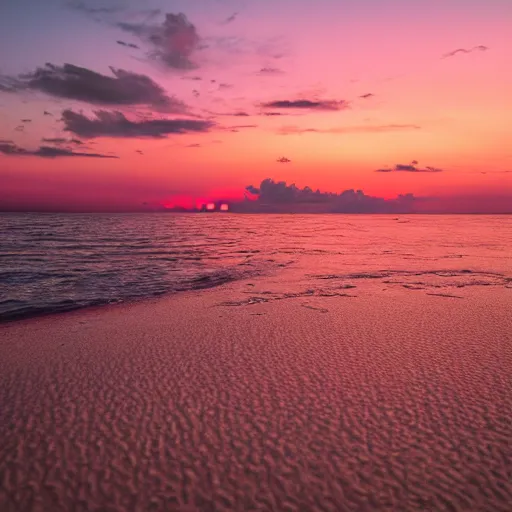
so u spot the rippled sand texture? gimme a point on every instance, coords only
(398, 402)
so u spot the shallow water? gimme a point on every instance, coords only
(58, 262)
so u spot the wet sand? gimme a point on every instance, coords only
(225, 400)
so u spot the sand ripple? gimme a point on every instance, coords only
(395, 406)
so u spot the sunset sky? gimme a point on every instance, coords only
(112, 105)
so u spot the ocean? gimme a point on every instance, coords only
(58, 262)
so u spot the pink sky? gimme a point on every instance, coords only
(322, 58)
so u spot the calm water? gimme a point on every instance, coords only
(51, 263)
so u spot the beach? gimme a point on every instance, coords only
(259, 395)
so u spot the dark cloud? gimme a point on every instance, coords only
(19, 128)
(195, 92)
(278, 196)
(26, 120)
(273, 114)
(479, 48)
(366, 96)
(46, 152)
(172, 43)
(115, 124)
(283, 160)
(270, 71)
(295, 130)
(307, 104)
(252, 189)
(128, 45)
(45, 113)
(196, 145)
(409, 168)
(5, 141)
(139, 151)
(82, 84)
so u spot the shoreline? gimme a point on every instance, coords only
(211, 401)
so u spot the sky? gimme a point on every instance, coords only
(110, 105)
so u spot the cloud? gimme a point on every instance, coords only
(11, 149)
(115, 124)
(61, 140)
(196, 145)
(82, 84)
(479, 48)
(307, 104)
(295, 130)
(128, 45)
(366, 96)
(239, 113)
(191, 78)
(225, 86)
(82, 6)
(139, 151)
(409, 168)
(270, 71)
(9, 84)
(172, 43)
(252, 189)
(26, 120)
(283, 160)
(230, 19)
(279, 196)
(238, 127)
(46, 113)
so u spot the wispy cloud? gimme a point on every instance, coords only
(283, 160)
(82, 84)
(270, 71)
(295, 130)
(230, 19)
(61, 140)
(115, 124)
(128, 45)
(367, 96)
(479, 48)
(11, 149)
(9, 84)
(328, 105)
(410, 168)
(80, 5)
